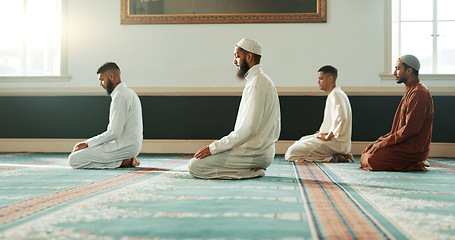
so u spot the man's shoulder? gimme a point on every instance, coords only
(126, 93)
(421, 91)
(338, 90)
(263, 79)
(126, 90)
(422, 88)
(338, 93)
(264, 83)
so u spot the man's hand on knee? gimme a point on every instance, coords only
(325, 136)
(203, 152)
(375, 147)
(80, 146)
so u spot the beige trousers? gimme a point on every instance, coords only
(310, 149)
(234, 164)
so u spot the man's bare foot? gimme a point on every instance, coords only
(350, 157)
(425, 163)
(130, 162)
(257, 169)
(421, 166)
(136, 162)
(345, 157)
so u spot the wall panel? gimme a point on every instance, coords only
(200, 117)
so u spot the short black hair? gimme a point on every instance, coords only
(329, 70)
(107, 66)
(414, 71)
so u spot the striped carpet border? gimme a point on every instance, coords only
(333, 213)
(442, 166)
(21, 210)
(34, 164)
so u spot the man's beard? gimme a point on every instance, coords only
(401, 80)
(243, 69)
(109, 87)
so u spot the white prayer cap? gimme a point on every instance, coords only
(250, 46)
(411, 61)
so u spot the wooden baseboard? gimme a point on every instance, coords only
(175, 146)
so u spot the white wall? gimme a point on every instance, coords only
(201, 55)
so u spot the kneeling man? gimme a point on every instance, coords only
(407, 145)
(119, 145)
(332, 143)
(248, 150)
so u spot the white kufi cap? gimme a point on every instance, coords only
(411, 61)
(250, 46)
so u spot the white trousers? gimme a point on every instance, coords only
(102, 157)
(310, 149)
(234, 164)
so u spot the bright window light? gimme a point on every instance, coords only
(426, 29)
(30, 43)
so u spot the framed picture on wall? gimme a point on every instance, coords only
(222, 11)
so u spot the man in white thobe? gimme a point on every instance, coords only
(248, 150)
(119, 145)
(332, 143)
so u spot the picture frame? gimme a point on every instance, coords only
(222, 11)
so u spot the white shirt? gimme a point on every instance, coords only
(125, 120)
(258, 123)
(338, 120)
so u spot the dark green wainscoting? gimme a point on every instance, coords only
(201, 117)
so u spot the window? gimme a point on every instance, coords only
(31, 42)
(426, 29)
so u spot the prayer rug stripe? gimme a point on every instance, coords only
(33, 164)
(377, 217)
(442, 166)
(13, 213)
(336, 215)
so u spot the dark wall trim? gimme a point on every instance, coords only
(200, 117)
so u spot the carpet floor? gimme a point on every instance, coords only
(41, 197)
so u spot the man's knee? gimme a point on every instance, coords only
(75, 160)
(374, 161)
(194, 167)
(201, 168)
(72, 161)
(297, 152)
(290, 153)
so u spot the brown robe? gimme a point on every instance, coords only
(407, 145)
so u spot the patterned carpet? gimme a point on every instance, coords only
(41, 197)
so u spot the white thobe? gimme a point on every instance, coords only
(123, 137)
(252, 143)
(338, 120)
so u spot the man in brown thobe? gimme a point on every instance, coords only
(407, 145)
